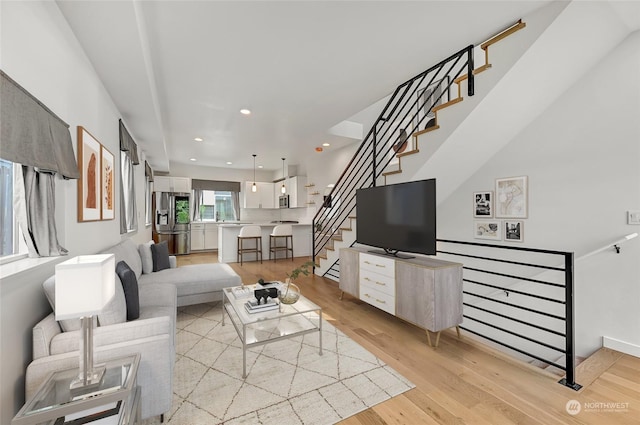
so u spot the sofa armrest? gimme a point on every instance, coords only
(173, 261)
(153, 294)
(114, 334)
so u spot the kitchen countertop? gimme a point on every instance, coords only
(227, 224)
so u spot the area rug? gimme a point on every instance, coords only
(287, 382)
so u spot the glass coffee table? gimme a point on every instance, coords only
(287, 321)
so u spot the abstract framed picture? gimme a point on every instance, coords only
(433, 95)
(483, 204)
(107, 189)
(513, 230)
(511, 197)
(487, 229)
(89, 182)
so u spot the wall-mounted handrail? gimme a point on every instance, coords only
(615, 245)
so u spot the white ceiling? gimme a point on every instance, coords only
(182, 69)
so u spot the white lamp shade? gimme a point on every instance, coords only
(84, 285)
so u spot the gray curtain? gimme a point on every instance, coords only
(35, 206)
(235, 202)
(197, 202)
(128, 215)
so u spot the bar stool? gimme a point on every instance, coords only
(250, 232)
(281, 231)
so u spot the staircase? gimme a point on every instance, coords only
(415, 122)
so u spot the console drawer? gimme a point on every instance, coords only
(378, 299)
(377, 264)
(378, 282)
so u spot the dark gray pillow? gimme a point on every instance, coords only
(160, 255)
(130, 287)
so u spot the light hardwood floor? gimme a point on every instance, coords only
(462, 381)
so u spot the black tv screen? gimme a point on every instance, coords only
(398, 217)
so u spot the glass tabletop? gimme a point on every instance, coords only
(302, 306)
(55, 397)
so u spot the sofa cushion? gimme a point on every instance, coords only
(145, 256)
(160, 254)
(195, 278)
(127, 251)
(130, 287)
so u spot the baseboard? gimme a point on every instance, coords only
(621, 346)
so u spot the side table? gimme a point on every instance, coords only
(118, 390)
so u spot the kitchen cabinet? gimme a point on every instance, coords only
(204, 236)
(262, 198)
(172, 184)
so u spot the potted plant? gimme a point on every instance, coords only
(290, 293)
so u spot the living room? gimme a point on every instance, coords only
(582, 144)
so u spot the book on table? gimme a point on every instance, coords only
(252, 306)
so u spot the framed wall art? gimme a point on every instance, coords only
(107, 188)
(513, 230)
(511, 197)
(89, 150)
(487, 229)
(483, 204)
(433, 95)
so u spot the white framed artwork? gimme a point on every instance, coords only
(513, 230)
(511, 197)
(487, 229)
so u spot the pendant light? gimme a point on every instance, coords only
(254, 188)
(283, 189)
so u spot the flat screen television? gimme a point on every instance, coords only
(398, 217)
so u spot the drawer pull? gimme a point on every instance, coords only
(381, 301)
(366, 262)
(381, 283)
(367, 295)
(380, 265)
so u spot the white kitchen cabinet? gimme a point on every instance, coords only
(262, 198)
(211, 236)
(172, 184)
(197, 236)
(296, 191)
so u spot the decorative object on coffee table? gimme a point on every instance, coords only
(290, 292)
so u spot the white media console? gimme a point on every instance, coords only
(423, 291)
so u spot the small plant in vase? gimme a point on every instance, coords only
(290, 293)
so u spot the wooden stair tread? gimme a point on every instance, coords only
(411, 152)
(476, 71)
(388, 173)
(594, 366)
(447, 104)
(426, 130)
(346, 228)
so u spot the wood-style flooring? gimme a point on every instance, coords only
(462, 381)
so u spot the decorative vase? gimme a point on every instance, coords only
(290, 293)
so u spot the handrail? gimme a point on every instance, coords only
(615, 245)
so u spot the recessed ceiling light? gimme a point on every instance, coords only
(245, 111)
(260, 166)
(331, 185)
(192, 159)
(198, 139)
(326, 144)
(229, 162)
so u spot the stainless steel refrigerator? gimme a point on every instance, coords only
(172, 221)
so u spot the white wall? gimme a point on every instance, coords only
(582, 157)
(41, 53)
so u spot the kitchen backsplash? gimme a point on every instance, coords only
(302, 215)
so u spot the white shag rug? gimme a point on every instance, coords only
(287, 382)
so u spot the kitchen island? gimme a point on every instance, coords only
(228, 240)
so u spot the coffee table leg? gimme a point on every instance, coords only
(244, 352)
(320, 331)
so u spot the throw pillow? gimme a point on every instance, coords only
(160, 255)
(145, 255)
(130, 287)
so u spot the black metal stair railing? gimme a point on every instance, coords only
(408, 110)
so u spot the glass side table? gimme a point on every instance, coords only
(53, 401)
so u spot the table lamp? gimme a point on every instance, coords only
(84, 285)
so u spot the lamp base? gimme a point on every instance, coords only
(93, 380)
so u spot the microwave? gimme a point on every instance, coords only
(283, 201)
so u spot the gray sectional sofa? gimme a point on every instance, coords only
(56, 344)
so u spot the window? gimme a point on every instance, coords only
(216, 205)
(12, 245)
(148, 190)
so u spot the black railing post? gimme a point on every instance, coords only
(570, 379)
(471, 77)
(375, 152)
